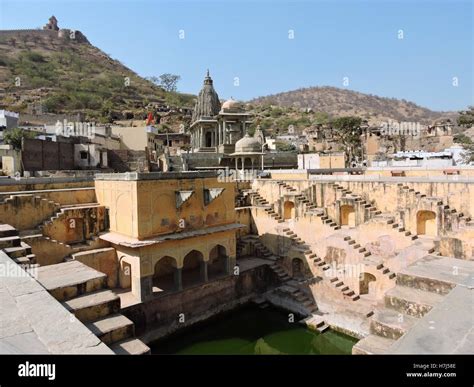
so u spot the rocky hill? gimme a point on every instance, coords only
(48, 72)
(337, 102)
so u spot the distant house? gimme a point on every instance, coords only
(8, 120)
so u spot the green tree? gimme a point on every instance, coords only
(347, 131)
(466, 119)
(15, 136)
(167, 81)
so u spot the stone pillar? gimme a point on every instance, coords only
(203, 270)
(224, 132)
(227, 264)
(178, 279)
(142, 287)
(236, 163)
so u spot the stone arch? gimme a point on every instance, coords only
(288, 210)
(192, 268)
(297, 268)
(164, 274)
(364, 281)
(248, 163)
(122, 218)
(347, 215)
(426, 223)
(217, 264)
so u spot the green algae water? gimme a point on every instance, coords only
(253, 331)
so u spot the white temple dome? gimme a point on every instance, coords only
(248, 144)
(232, 104)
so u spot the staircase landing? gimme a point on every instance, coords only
(447, 328)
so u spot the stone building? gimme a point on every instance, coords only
(170, 230)
(52, 24)
(215, 127)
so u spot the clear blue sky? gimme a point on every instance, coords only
(249, 40)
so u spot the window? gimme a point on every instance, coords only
(83, 155)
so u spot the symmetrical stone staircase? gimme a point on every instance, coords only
(242, 198)
(14, 247)
(301, 199)
(291, 290)
(257, 199)
(259, 249)
(372, 210)
(446, 208)
(82, 290)
(287, 284)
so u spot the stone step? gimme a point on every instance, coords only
(113, 328)
(22, 260)
(322, 328)
(27, 247)
(427, 284)
(372, 344)
(93, 306)
(16, 252)
(70, 279)
(31, 258)
(314, 322)
(7, 231)
(10, 241)
(411, 301)
(131, 346)
(391, 324)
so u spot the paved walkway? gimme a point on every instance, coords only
(34, 322)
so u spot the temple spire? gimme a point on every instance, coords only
(207, 103)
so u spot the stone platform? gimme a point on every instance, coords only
(34, 322)
(449, 326)
(70, 279)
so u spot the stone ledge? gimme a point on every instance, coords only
(136, 176)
